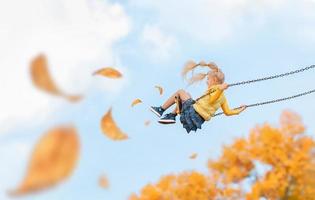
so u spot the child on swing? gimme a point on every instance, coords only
(194, 113)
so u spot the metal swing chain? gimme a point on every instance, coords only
(272, 77)
(268, 78)
(274, 101)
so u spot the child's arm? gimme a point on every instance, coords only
(228, 112)
(216, 92)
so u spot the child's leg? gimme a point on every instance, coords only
(174, 111)
(183, 95)
(170, 118)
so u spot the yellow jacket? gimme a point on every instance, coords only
(208, 104)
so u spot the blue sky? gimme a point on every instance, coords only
(149, 42)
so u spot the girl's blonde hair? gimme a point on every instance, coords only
(215, 71)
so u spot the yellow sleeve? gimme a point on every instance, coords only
(215, 93)
(226, 109)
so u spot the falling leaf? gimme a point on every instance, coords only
(147, 123)
(193, 156)
(103, 182)
(160, 89)
(291, 122)
(135, 102)
(53, 160)
(42, 79)
(110, 129)
(108, 72)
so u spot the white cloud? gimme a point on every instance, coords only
(157, 43)
(76, 35)
(218, 21)
(303, 30)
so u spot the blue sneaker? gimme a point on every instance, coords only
(157, 110)
(169, 118)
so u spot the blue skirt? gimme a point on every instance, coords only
(190, 119)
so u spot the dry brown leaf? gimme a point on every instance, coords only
(135, 102)
(160, 89)
(193, 156)
(147, 123)
(43, 80)
(108, 72)
(103, 182)
(110, 129)
(53, 160)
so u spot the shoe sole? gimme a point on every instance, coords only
(156, 113)
(166, 121)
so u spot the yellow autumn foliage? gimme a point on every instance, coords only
(285, 153)
(185, 186)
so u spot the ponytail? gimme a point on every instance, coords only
(191, 65)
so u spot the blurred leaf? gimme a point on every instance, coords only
(160, 89)
(103, 182)
(193, 156)
(135, 102)
(291, 122)
(53, 160)
(147, 123)
(110, 129)
(108, 72)
(42, 79)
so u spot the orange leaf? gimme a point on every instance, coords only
(42, 79)
(160, 89)
(110, 129)
(53, 160)
(108, 72)
(135, 102)
(103, 182)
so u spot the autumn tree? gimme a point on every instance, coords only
(185, 186)
(274, 163)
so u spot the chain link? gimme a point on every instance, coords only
(272, 77)
(274, 101)
(269, 78)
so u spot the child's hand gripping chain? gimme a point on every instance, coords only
(193, 113)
